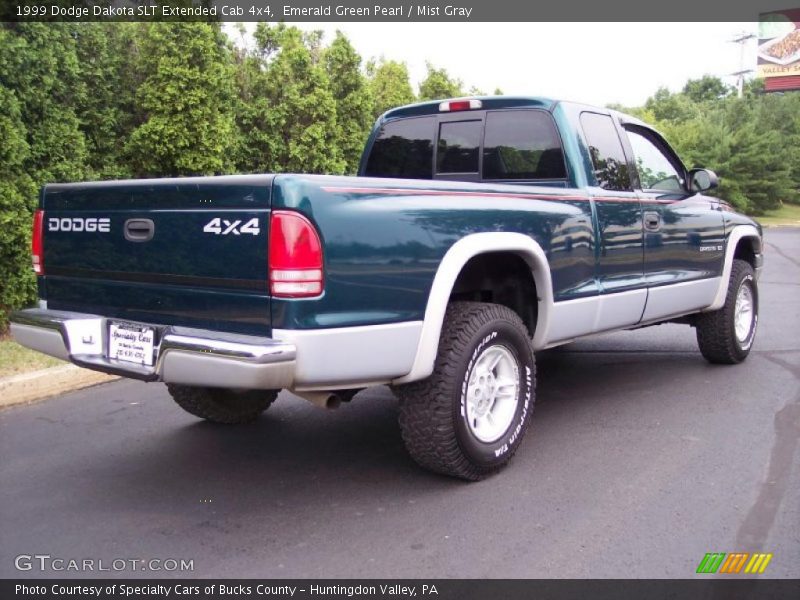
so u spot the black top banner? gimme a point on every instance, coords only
(387, 10)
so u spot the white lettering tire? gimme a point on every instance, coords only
(468, 418)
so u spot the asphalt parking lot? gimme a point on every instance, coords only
(641, 458)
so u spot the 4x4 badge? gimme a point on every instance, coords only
(219, 226)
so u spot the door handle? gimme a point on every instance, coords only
(139, 230)
(652, 221)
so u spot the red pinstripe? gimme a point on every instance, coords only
(423, 192)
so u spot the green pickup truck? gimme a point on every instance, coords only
(478, 231)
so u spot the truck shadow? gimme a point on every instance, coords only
(298, 453)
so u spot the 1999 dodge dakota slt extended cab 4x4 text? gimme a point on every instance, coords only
(479, 231)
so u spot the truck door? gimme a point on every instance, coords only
(683, 230)
(619, 268)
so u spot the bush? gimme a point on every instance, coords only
(17, 201)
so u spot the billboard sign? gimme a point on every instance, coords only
(779, 49)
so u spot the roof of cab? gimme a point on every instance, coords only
(487, 102)
(500, 102)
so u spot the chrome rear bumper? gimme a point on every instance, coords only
(185, 355)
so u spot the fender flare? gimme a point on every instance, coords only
(449, 269)
(738, 233)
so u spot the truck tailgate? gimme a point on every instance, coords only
(189, 251)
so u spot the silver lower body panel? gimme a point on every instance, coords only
(186, 356)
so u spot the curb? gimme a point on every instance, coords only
(38, 385)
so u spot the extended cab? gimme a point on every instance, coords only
(478, 231)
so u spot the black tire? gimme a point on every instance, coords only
(222, 405)
(433, 413)
(716, 331)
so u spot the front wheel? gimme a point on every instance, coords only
(468, 418)
(222, 405)
(725, 336)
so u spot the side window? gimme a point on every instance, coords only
(403, 148)
(605, 147)
(656, 171)
(522, 144)
(458, 147)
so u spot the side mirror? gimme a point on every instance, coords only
(703, 180)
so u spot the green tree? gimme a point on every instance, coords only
(389, 84)
(106, 105)
(40, 140)
(17, 201)
(666, 106)
(753, 87)
(313, 40)
(258, 143)
(780, 113)
(353, 99)
(706, 89)
(289, 113)
(268, 39)
(39, 63)
(186, 101)
(438, 84)
(745, 143)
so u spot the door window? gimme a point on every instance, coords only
(656, 171)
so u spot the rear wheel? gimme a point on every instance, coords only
(725, 336)
(222, 405)
(468, 418)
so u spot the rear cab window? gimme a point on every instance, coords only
(459, 146)
(403, 148)
(515, 145)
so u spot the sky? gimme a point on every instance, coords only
(595, 63)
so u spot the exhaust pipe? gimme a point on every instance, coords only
(328, 400)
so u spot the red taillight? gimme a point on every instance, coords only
(295, 256)
(37, 242)
(456, 105)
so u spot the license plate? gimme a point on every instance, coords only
(131, 343)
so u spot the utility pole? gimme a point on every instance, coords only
(741, 39)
